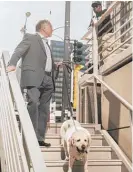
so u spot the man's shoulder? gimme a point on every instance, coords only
(29, 35)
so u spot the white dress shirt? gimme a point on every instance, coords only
(48, 67)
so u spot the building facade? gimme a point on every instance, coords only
(57, 48)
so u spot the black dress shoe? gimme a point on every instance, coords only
(42, 143)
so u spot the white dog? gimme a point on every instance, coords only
(76, 141)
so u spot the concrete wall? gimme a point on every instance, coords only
(114, 114)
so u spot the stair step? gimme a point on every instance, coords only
(55, 140)
(93, 166)
(57, 153)
(55, 128)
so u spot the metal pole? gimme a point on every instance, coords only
(66, 58)
(25, 25)
(27, 14)
(95, 64)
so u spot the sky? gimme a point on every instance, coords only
(12, 19)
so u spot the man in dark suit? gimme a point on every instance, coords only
(37, 75)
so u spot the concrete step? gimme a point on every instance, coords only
(55, 128)
(96, 152)
(93, 166)
(55, 140)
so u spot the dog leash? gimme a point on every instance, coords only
(66, 65)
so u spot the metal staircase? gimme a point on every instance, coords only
(102, 156)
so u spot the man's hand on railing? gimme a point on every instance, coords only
(11, 68)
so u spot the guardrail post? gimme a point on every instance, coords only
(95, 70)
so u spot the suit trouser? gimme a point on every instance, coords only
(39, 105)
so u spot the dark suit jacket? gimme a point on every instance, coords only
(32, 51)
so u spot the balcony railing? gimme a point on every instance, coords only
(114, 40)
(114, 33)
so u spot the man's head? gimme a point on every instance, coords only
(45, 28)
(97, 7)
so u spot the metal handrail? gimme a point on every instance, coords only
(118, 37)
(86, 71)
(32, 146)
(118, 21)
(116, 48)
(114, 33)
(14, 152)
(122, 100)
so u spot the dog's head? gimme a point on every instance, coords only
(81, 140)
